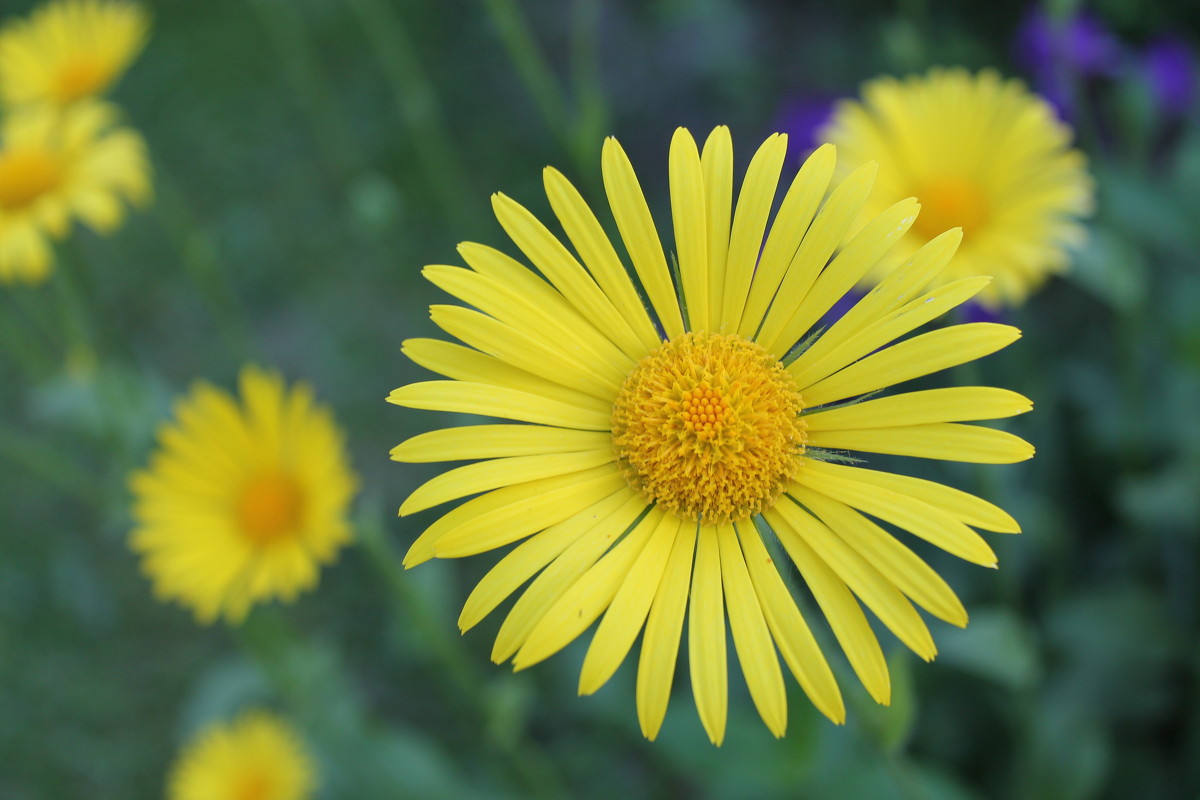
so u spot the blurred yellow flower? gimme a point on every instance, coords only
(980, 153)
(665, 448)
(242, 501)
(68, 50)
(256, 757)
(60, 165)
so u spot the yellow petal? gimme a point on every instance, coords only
(464, 364)
(912, 358)
(587, 598)
(706, 637)
(523, 351)
(956, 404)
(948, 441)
(796, 643)
(660, 642)
(965, 507)
(561, 497)
(549, 586)
(495, 401)
(594, 247)
(822, 360)
(845, 617)
(874, 588)
(688, 216)
(921, 519)
(568, 276)
(639, 234)
(496, 441)
(497, 472)
(787, 231)
(751, 638)
(527, 558)
(624, 618)
(717, 162)
(749, 222)
(826, 233)
(887, 555)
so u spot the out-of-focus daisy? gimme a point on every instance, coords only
(655, 456)
(982, 154)
(256, 757)
(56, 166)
(68, 50)
(244, 499)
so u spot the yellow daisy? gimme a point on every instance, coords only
(980, 153)
(256, 757)
(242, 501)
(667, 449)
(56, 166)
(68, 50)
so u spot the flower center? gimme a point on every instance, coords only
(708, 427)
(269, 508)
(26, 175)
(950, 202)
(251, 786)
(78, 78)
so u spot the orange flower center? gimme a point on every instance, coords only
(82, 76)
(251, 786)
(270, 508)
(708, 427)
(950, 202)
(26, 175)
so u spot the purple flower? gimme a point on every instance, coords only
(1170, 69)
(801, 119)
(1060, 53)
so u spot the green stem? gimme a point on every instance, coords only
(417, 102)
(70, 284)
(285, 29)
(593, 115)
(533, 767)
(26, 339)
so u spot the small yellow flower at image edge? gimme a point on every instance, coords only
(69, 50)
(257, 756)
(244, 499)
(981, 153)
(650, 457)
(61, 165)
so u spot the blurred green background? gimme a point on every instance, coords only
(312, 155)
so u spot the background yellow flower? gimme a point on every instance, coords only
(257, 756)
(244, 500)
(980, 153)
(68, 50)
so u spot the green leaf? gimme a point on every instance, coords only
(995, 645)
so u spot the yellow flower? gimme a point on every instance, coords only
(242, 501)
(666, 448)
(982, 154)
(59, 165)
(255, 757)
(68, 50)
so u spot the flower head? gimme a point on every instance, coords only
(60, 165)
(68, 50)
(256, 757)
(244, 500)
(654, 455)
(981, 154)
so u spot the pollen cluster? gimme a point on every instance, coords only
(708, 426)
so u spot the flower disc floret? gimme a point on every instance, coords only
(708, 426)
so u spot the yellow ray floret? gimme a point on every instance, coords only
(244, 500)
(257, 755)
(68, 50)
(982, 154)
(665, 463)
(57, 167)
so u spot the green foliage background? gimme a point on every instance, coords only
(312, 155)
